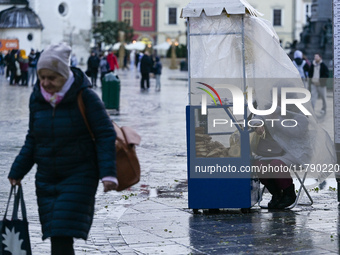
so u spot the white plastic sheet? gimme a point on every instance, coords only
(220, 54)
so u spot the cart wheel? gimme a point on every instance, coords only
(245, 210)
(195, 211)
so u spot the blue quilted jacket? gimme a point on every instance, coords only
(69, 165)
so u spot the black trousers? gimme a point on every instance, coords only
(62, 245)
(145, 78)
(94, 76)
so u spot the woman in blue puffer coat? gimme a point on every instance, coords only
(69, 163)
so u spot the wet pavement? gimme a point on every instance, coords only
(153, 216)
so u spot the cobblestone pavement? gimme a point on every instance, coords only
(153, 216)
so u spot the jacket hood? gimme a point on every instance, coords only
(298, 54)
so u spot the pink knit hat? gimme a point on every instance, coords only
(56, 58)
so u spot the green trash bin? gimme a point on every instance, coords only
(111, 91)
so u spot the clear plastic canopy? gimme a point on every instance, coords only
(244, 51)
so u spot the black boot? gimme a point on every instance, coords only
(288, 197)
(276, 195)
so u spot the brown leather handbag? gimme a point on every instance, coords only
(128, 168)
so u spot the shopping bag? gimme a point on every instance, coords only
(14, 239)
(128, 168)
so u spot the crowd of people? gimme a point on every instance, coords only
(145, 64)
(20, 68)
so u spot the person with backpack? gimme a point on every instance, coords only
(301, 66)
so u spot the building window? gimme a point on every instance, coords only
(62, 8)
(30, 37)
(146, 18)
(127, 16)
(97, 8)
(308, 12)
(172, 16)
(277, 17)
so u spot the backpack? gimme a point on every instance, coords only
(300, 68)
(128, 168)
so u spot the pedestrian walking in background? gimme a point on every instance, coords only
(125, 61)
(32, 67)
(302, 66)
(138, 59)
(104, 67)
(92, 67)
(74, 60)
(8, 72)
(12, 67)
(132, 60)
(158, 72)
(145, 69)
(318, 74)
(23, 62)
(69, 162)
(112, 60)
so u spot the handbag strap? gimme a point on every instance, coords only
(81, 106)
(9, 199)
(19, 197)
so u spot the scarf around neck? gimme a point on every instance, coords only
(55, 98)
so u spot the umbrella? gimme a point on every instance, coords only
(135, 46)
(107, 47)
(162, 46)
(116, 46)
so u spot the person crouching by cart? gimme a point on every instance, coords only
(277, 152)
(271, 156)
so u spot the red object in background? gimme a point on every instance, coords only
(112, 60)
(140, 15)
(9, 44)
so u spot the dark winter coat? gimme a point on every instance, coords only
(93, 63)
(68, 164)
(158, 67)
(145, 64)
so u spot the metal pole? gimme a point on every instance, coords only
(336, 84)
(189, 60)
(244, 75)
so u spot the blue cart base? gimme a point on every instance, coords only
(239, 190)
